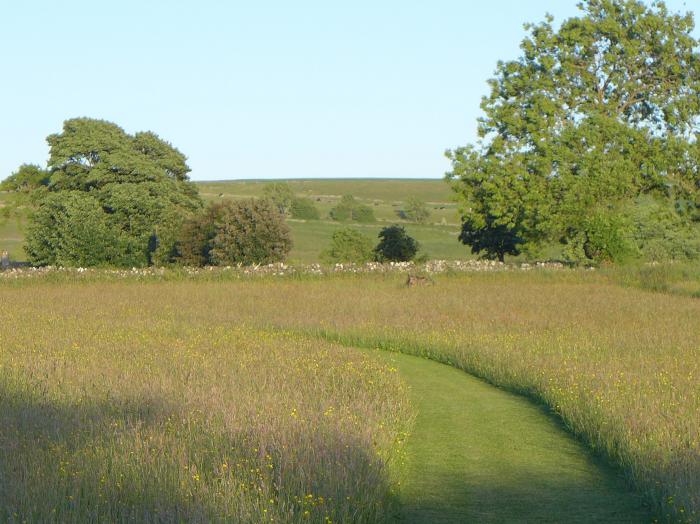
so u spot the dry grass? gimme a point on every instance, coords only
(113, 409)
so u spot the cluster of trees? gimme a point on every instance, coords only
(590, 139)
(111, 198)
(350, 245)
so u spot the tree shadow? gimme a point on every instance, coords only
(52, 465)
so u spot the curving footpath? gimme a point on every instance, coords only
(480, 454)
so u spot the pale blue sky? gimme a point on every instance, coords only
(267, 89)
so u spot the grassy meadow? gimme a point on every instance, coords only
(438, 237)
(116, 411)
(210, 398)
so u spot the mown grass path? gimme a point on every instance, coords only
(480, 454)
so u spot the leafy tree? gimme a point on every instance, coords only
(235, 232)
(304, 209)
(27, 178)
(592, 115)
(350, 209)
(494, 241)
(70, 229)
(280, 194)
(395, 245)
(416, 211)
(349, 245)
(140, 183)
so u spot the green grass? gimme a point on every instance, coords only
(311, 237)
(480, 454)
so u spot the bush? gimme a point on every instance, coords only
(348, 245)
(304, 209)
(602, 236)
(71, 229)
(230, 233)
(280, 194)
(416, 211)
(350, 209)
(660, 233)
(363, 214)
(395, 245)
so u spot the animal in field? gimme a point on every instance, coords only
(419, 280)
(4, 260)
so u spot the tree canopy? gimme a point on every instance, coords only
(235, 232)
(395, 245)
(588, 119)
(135, 188)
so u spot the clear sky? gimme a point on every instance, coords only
(266, 89)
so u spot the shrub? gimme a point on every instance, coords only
(280, 194)
(660, 233)
(350, 209)
(348, 245)
(395, 245)
(304, 209)
(230, 233)
(363, 214)
(416, 211)
(70, 228)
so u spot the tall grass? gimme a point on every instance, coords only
(619, 365)
(115, 408)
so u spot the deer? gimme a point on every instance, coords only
(419, 280)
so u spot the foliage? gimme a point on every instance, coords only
(304, 209)
(235, 232)
(660, 233)
(350, 209)
(71, 229)
(280, 194)
(593, 115)
(349, 245)
(416, 211)
(139, 182)
(495, 241)
(26, 178)
(395, 245)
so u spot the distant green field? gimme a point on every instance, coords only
(438, 238)
(386, 189)
(11, 235)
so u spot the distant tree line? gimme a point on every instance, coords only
(109, 198)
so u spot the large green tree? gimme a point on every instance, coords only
(590, 117)
(138, 182)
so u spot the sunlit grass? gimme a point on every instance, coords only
(114, 410)
(620, 366)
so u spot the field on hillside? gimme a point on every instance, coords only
(387, 197)
(10, 229)
(130, 398)
(438, 237)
